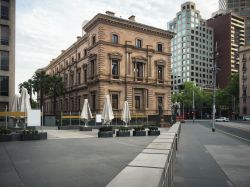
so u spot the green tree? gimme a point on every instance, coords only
(56, 89)
(41, 86)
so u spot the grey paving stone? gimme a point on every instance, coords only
(149, 160)
(163, 140)
(166, 146)
(156, 151)
(137, 177)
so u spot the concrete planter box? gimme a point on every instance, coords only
(154, 133)
(38, 136)
(122, 133)
(139, 133)
(5, 137)
(83, 128)
(105, 134)
(16, 136)
(10, 137)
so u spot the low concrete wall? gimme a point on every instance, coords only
(153, 167)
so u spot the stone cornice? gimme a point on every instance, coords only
(123, 23)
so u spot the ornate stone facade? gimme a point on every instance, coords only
(123, 58)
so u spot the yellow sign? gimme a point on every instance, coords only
(14, 114)
(68, 117)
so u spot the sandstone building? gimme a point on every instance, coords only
(120, 57)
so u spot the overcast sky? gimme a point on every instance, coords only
(45, 27)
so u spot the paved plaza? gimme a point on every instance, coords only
(66, 161)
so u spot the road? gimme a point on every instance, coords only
(237, 129)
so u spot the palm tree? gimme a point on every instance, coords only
(56, 89)
(41, 85)
(28, 85)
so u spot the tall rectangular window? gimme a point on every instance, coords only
(159, 47)
(137, 102)
(93, 40)
(138, 43)
(4, 35)
(4, 60)
(139, 71)
(160, 74)
(115, 69)
(4, 86)
(115, 38)
(93, 99)
(78, 77)
(92, 67)
(115, 101)
(4, 11)
(85, 75)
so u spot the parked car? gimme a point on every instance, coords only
(246, 118)
(222, 119)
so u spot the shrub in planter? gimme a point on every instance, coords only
(139, 131)
(33, 135)
(153, 131)
(5, 135)
(123, 132)
(105, 132)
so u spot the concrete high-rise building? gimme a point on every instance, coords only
(192, 48)
(7, 52)
(229, 39)
(244, 86)
(242, 8)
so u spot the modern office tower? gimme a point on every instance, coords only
(240, 7)
(118, 57)
(7, 52)
(229, 38)
(192, 48)
(244, 86)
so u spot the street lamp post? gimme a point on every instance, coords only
(214, 70)
(193, 103)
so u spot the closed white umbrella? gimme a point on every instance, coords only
(126, 113)
(15, 104)
(86, 112)
(25, 101)
(107, 113)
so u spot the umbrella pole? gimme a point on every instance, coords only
(6, 116)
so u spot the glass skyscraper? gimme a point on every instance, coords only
(192, 48)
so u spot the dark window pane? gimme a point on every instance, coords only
(93, 40)
(114, 38)
(139, 43)
(4, 12)
(160, 74)
(4, 85)
(114, 101)
(159, 47)
(137, 102)
(4, 60)
(139, 71)
(115, 69)
(4, 35)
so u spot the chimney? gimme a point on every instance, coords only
(132, 18)
(62, 51)
(78, 38)
(110, 13)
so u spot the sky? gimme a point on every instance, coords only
(45, 27)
